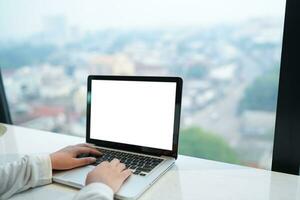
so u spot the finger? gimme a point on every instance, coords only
(78, 162)
(87, 150)
(121, 166)
(125, 174)
(114, 162)
(86, 145)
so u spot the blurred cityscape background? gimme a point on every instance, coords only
(230, 68)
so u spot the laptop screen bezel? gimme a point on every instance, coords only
(136, 148)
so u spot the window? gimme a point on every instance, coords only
(227, 52)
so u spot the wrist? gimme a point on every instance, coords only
(100, 187)
(90, 180)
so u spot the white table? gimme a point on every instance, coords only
(190, 178)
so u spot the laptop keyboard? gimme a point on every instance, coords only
(138, 164)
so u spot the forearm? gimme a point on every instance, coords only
(30, 171)
(95, 191)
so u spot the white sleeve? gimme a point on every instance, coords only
(95, 191)
(30, 171)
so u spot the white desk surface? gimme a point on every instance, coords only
(190, 178)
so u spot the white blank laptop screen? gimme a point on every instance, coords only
(133, 112)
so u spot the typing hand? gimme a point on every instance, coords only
(66, 158)
(111, 173)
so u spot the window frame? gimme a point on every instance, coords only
(286, 148)
(4, 108)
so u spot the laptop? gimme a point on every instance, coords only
(136, 120)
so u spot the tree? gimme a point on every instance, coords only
(262, 93)
(196, 71)
(199, 143)
(24, 54)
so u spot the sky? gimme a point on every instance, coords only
(22, 18)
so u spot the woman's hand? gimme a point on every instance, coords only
(66, 158)
(111, 173)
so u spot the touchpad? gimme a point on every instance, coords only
(77, 175)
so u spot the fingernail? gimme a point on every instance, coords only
(93, 159)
